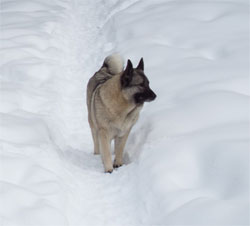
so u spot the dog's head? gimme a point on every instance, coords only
(135, 84)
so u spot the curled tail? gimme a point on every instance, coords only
(114, 63)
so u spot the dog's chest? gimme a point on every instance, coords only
(123, 123)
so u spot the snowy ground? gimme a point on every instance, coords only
(187, 159)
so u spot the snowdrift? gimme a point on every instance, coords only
(187, 159)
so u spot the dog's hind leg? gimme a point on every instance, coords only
(104, 145)
(94, 135)
(96, 142)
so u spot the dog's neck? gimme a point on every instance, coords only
(119, 104)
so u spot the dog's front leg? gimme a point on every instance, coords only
(119, 146)
(104, 145)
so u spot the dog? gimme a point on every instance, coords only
(115, 98)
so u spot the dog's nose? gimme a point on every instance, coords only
(152, 95)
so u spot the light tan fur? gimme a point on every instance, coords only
(111, 115)
(115, 63)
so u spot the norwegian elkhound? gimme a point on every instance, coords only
(115, 97)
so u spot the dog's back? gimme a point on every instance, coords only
(112, 65)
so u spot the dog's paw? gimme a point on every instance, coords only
(117, 165)
(109, 171)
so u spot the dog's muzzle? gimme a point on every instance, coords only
(146, 96)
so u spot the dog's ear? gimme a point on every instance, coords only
(129, 68)
(127, 74)
(141, 65)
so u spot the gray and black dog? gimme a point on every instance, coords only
(115, 97)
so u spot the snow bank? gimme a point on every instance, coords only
(187, 159)
(31, 190)
(191, 145)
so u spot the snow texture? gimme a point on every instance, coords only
(187, 158)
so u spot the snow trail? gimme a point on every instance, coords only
(188, 155)
(48, 138)
(96, 198)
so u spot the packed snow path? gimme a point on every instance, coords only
(186, 159)
(48, 176)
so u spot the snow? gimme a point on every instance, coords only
(187, 158)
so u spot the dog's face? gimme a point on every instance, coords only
(135, 84)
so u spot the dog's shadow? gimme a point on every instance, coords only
(83, 160)
(135, 143)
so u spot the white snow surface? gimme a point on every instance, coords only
(187, 158)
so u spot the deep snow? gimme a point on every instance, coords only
(187, 158)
